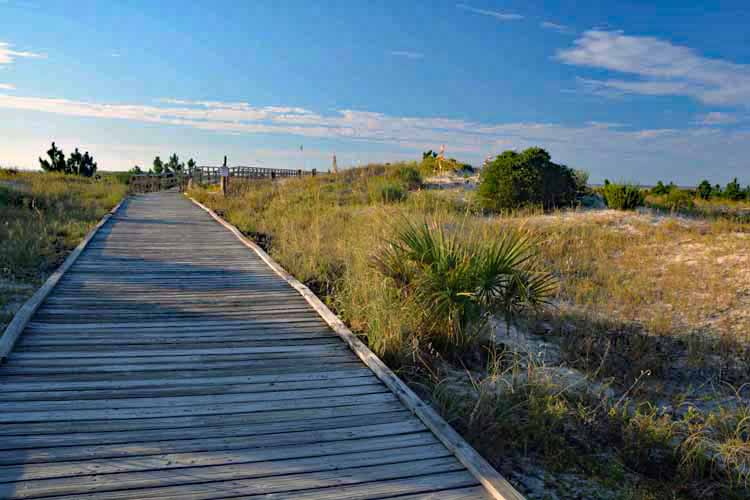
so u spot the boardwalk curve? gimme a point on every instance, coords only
(172, 362)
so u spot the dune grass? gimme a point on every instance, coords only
(43, 216)
(656, 331)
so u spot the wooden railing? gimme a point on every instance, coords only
(212, 175)
(148, 183)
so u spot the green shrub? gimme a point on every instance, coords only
(581, 178)
(387, 192)
(408, 175)
(733, 191)
(705, 191)
(623, 196)
(660, 189)
(514, 180)
(679, 199)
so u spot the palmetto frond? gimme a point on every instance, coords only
(458, 284)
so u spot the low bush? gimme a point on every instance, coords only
(679, 199)
(514, 180)
(387, 192)
(623, 196)
(408, 175)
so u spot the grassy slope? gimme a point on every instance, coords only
(633, 305)
(43, 217)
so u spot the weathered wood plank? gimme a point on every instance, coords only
(187, 390)
(198, 421)
(243, 486)
(191, 400)
(78, 468)
(204, 379)
(226, 472)
(136, 449)
(231, 428)
(179, 411)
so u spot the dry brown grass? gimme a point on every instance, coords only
(661, 299)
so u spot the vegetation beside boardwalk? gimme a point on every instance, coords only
(43, 216)
(645, 396)
(601, 352)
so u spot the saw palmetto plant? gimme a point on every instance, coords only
(460, 284)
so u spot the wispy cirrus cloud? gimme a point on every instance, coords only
(661, 67)
(8, 56)
(608, 149)
(560, 28)
(7, 86)
(408, 54)
(592, 143)
(717, 118)
(502, 16)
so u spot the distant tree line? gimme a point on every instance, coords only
(75, 164)
(706, 191)
(173, 166)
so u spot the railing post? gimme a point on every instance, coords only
(224, 177)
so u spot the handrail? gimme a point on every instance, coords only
(148, 183)
(212, 175)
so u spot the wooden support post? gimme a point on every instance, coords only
(314, 172)
(224, 177)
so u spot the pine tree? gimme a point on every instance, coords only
(158, 167)
(705, 190)
(56, 162)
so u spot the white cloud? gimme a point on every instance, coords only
(7, 56)
(560, 28)
(7, 86)
(609, 149)
(503, 16)
(115, 54)
(717, 118)
(662, 67)
(407, 54)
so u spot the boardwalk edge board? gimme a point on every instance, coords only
(493, 482)
(24, 314)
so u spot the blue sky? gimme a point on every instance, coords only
(625, 90)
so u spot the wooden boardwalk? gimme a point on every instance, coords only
(171, 362)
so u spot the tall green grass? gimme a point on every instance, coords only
(44, 215)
